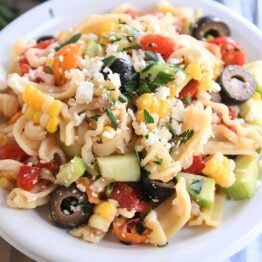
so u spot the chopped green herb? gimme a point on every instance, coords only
(72, 40)
(191, 27)
(114, 39)
(126, 243)
(109, 190)
(163, 78)
(112, 118)
(187, 100)
(140, 228)
(146, 213)
(151, 55)
(171, 129)
(130, 85)
(146, 136)
(130, 38)
(108, 61)
(121, 22)
(49, 70)
(148, 67)
(132, 47)
(148, 118)
(259, 150)
(158, 161)
(196, 185)
(185, 136)
(144, 88)
(111, 100)
(95, 117)
(122, 98)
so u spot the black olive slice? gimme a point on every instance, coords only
(69, 207)
(210, 25)
(237, 85)
(123, 67)
(156, 191)
(44, 38)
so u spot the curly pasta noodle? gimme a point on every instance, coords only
(28, 136)
(9, 105)
(19, 198)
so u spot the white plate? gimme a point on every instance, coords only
(30, 232)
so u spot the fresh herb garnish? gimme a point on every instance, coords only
(185, 136)
(140, 228)
(151, 56)
(136, 47)
(72, 40)
(95, 117)
(187, 100)
(112, 118)
(108, 61)
(111, 100)
(259, 150)
(130, 85)
(49, 70)
(148, 66)
(163, 78)
(163, 245)
(122, 98)
(109, 190)
(196, 185)
(148, 118)
(171, 129)
(144, 88)
(121, 22)
(146, 213)
(158, 161)
(191, 27)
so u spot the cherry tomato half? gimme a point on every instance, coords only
(232, 52)
(24, 66)
(127, 197)
(189, 90)
(12, 152)
(158, 44)
(28, 177)
(197, 166)
(45, 44)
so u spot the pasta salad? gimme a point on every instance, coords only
(135, 122)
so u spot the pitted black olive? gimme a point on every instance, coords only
(156, 191)
(210, 25)
(44, 38)
(122, 67)
(69, 207)
(237, 85)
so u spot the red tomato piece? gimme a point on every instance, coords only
(232, 52)
(127, 197)
(232, 116)
(189, 90)
(197, 166)
(12, 152)
(53, 166)
(24, 66)
(158, 44)
(44, 44)
(28, 177)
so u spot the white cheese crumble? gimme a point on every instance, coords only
(126, 213)
(162, 92)
(84, 92)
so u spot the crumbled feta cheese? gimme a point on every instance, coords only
(61, 58)
(215, 87)
(180, 78)
(126, 213)
(162, 92)
(115, 79)
(91, 66)
(178, 109)
(112, 49)
(78, 119)
(84, 92)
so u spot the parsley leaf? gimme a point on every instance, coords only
(163, 78)
(95, 117)
(158, 161)
(108, 61)
(122, 98)
(109, 190)
(185, 136)
(196, 185)
(187, 100)
(148, 118)
(144, 88)
(151, 56)
(111, 100)
(112, 118)
(259, 150)
(171, 129)
(72, 40)
(140, 228)
(132, 47)
(121, 22)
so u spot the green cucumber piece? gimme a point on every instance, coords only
(247, 173)
(123, 168)
(71, 171)
(255, 69)
(201, 189)
(91, 48)
(251, 111)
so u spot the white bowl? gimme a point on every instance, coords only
(30, 232)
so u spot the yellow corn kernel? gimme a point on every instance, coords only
(7, 180)
(166, 7)
(106, 210)
(172, 88)
(154, 108)
(36, 117)
(38, 101)
(52, 124)
(164, 109)
(194, 70)
(145, 101)
(205, 84)
(221, 169)
(256, 96)
(107, 28)
(4, 140)
(140, 115)
(55, 108)
(27, 94)
(29, 112)
(108, 129)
